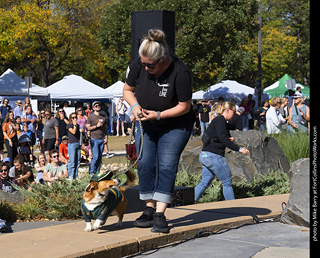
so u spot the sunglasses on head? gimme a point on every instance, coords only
(150, 66)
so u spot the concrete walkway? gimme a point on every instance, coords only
(69, 240)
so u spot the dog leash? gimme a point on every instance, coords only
(123, 171)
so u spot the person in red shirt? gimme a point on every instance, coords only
(63, 150)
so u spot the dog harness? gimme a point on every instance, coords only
(103, 210)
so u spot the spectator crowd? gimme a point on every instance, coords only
(287, 114)
(61, 143)
(53, 144)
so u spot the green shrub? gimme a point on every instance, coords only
(268, 184)
(58, 201)
(294, 146)
(63, 200)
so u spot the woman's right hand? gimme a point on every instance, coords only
(137, 112)
(244, 151)
(10, 143)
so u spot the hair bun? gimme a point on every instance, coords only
(156, 35)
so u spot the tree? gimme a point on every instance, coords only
(211, 36)
(292, 17)
(277, 49)
(48, 39)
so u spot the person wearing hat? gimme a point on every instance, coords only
(63, 150)
(17, 111)
(97, 126)
(299, 115)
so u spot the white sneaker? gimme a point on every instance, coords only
(108, 156)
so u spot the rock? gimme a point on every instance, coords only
(15, 197)
(265, 155)
(297, 210)
(189, 159)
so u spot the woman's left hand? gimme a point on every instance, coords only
(149, 115)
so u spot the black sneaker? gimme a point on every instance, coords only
(146, 219)
(160, 224)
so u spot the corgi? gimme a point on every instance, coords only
(103, 197)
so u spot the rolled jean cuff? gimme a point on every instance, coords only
(159, 197)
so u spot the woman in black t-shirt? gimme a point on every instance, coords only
(159, 89)
(63, 121)
(73, 132)
(212, 155)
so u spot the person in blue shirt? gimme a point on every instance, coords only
(31, 120)
(5, 108)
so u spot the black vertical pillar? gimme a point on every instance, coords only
(142, 21)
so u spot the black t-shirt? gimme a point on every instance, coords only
(159, 94)
(235, 123)
(7, 185)
(73, 138)
(62, 127)
(204, 110)
(218, 130)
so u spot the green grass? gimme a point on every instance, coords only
(268, 184)
(294, 146)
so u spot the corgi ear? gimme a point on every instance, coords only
(93, 185)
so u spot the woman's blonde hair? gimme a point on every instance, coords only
(275, 101)
(225, 105)
(154, 46)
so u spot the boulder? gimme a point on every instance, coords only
(265, 155)
(15, 197)
(297, 210)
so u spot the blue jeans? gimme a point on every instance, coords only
(203, 126)
(245, 123)
(214, 165)
(97, 150)
(74, 159)
(158, 164)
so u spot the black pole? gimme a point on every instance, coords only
(259, 82)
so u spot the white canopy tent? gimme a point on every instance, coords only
(74, 87)
(198, 94)
(12, 85)
(115, 90)
(229, 89)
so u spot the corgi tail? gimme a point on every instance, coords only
(131, 181)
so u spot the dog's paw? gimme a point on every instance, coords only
(88, 228)
(119, 224)
(97, 224)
